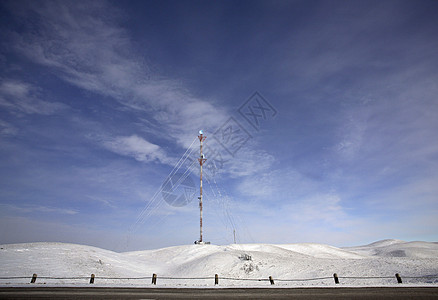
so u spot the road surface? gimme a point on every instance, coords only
(218, 293)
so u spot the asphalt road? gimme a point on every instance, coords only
(219, 293)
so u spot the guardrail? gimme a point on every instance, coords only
(154, 277)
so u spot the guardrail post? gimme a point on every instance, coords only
(34, 277)
(399, 280)
(271, 280)
(216, 279)
(92, 279)
(154, 278)
(335, 276)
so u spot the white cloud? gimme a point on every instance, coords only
(250, 162)
(39, 208)
(278, 185)
(296, 194)
(7, 129)
(136, 147)
(92, 52)
(419, 196)
(352, 135)
(325, 208)
(23, 97)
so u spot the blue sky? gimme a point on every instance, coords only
(320, 117)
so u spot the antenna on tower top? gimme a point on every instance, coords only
(201, 160)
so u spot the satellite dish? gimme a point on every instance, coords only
(201, 132)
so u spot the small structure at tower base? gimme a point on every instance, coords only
(202, 243)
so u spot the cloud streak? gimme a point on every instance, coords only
(23, 98)
(90, 51)
(137, 147)
(32, 209)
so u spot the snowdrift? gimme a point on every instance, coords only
(236, 265)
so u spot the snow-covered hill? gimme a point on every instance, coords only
(237, 261)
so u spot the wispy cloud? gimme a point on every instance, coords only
(279, 185)
(106, 202)
(23, 97)
(319, 208)
(7, 129)
(91, 51)
(29, 209)
(94, 52)
(250, 162)
(137, 147)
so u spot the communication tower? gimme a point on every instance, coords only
(201, 160)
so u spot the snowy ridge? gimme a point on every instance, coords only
(397, 248)
(287, 262)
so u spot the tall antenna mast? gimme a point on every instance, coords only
(201, 160)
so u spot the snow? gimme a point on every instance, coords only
(283, 262)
